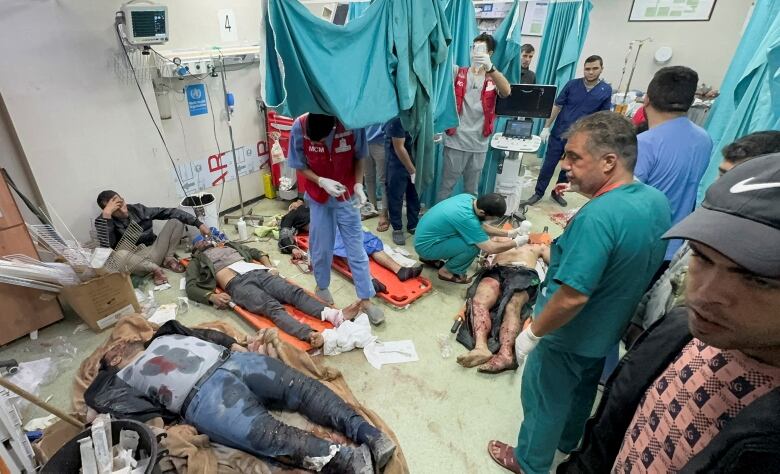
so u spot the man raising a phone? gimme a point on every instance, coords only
(476, 89)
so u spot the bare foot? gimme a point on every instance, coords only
(498, 363)
(159, 277)
(316, 340)
(475, 357)
(351, 311)
(173, 265)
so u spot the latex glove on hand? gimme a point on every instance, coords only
(520, 240)
(545, 134)
(526, 342)
(411, 177)
(360, 194)
(332, 187)
(483, 59)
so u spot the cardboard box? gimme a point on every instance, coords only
(101, 301)
(54, 437)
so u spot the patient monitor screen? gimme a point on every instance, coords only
(518, 129)
(527, 100)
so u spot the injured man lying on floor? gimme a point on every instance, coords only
(498, 302)
(297, 221)
(205, 378)
(255, 287)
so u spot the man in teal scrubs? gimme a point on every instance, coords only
(599, 268)
(454, 231)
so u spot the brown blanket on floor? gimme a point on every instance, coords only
(191, 452)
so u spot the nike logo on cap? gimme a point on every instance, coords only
(743, 186)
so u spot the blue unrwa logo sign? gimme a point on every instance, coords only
(196, 99)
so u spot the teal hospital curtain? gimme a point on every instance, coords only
(506, 58)
(562, 40)
(749, 98)
(356, 9)
(376, 67)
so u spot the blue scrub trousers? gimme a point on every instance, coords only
(557, 393)
(555, 147)
(400, 185)
(456, 252)
(324, 219)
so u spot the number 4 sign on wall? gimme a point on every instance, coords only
(228, 29)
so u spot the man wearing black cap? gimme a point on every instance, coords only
(700, 391)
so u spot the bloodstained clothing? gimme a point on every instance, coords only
(170, 367)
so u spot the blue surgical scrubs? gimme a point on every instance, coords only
(575, 102)
(333, 215)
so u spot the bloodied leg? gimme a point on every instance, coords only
(232, 406)
(486, 296)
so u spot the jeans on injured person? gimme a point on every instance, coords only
(232, 408)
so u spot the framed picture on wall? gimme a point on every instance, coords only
(671, 10)
(534, 18)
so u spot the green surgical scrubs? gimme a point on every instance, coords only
(609, 251)
(449, 231)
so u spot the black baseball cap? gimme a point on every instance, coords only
(740, 216)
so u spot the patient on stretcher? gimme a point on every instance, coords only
(498, 302)
(258, 289)
(297, 220)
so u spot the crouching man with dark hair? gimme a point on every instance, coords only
(454, 231)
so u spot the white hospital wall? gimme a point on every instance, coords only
(83, 126)
(705, 46)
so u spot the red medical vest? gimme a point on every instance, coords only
(337, 164)
(489, 94)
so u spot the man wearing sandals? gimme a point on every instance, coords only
(454, 231)
(599, 268)
(158, 250)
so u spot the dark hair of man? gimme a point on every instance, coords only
(104, 197)
(487, 39)
(318, 126)
(527, 48)
(751, 146)
(673, 89)
(608, 132)
(494, 205)
(593, 59)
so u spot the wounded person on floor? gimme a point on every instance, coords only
(205, 378)
(498, 302)
(297, 221)
(259, 290)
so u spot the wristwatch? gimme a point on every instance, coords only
(492, 69)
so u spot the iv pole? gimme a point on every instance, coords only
(243, 214)
(622, 107)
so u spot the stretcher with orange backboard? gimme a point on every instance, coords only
(399, 293)
(259, 321)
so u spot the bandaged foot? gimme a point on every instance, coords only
(475, 357)
(333, 316)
